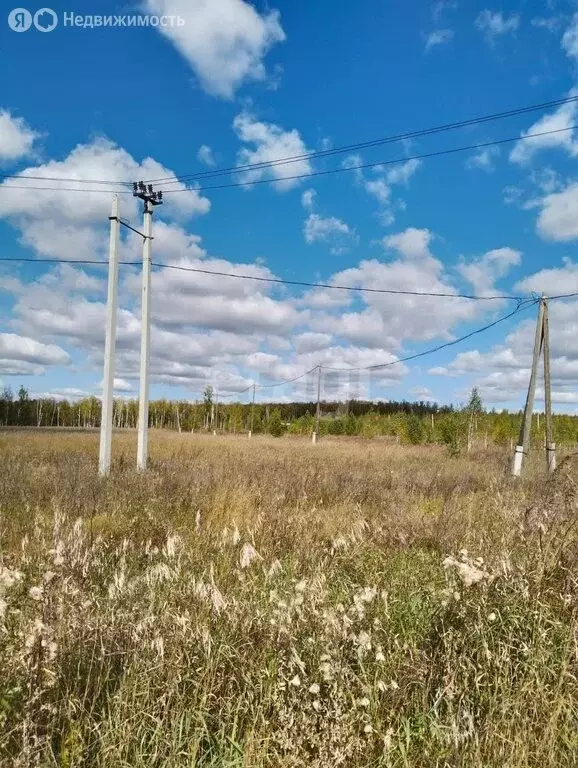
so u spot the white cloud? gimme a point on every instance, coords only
(311, 342)
(205, 155)
(552, 280)
(402, 173)
(412, 243)
(438, 37)
(68, 225)
(101, 159)
(61, 240)
(270, 143)
(561, 120)
(387, 321)
(493, 24)
(502, 373)
(484, 159)
(570, 38)
(441, 6)
(63, 393)
(120, 385)
(380, 187)
(422, 393)
(183, 298)
(557, 218)
(482, 273)
(512, 195)
(16, 137)
(224, 41)
(203, 328)
(23, 355)
(331, 230)
(308, 199)
(550, 23)
(353, 162)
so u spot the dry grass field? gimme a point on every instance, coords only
(272, 604)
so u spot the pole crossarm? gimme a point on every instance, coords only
(128, 226)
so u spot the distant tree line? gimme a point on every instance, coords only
(403, 421)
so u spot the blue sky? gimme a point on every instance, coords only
(239, 83)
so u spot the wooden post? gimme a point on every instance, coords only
(525, 429)
(550, 446)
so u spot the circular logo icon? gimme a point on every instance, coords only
(19, 20)
(45, 20)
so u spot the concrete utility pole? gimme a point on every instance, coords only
(150, 199)
(318, 409)
(541, 342)
(109, 342)
(252, 413)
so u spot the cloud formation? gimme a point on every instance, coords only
(224, 41)
(16, 137)
(269, 143)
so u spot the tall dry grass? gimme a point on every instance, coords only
(269, 603)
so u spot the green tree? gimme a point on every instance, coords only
(474, 408)
(450, 430)
(414, 429)
(275, 425)
(208, 405)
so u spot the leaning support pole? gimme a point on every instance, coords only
(109, 343)
(525, 430)
(550, 446)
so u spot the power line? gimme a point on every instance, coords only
(303, 283)
(25, 176)
(287, 381)
(336, 287)
(521, 307)
(563, 296)
(362, 166)
(368, 144)
(96, 262)
(516, 111)
(66, 189)
(277, 280)
(424, 156)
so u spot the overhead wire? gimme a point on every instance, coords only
(367, 144)
(303, 283)
(275, 280)
(312, 174)
(64, 189)
(521, 307)
(363, 166)
(522, 304)
(357, 146)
